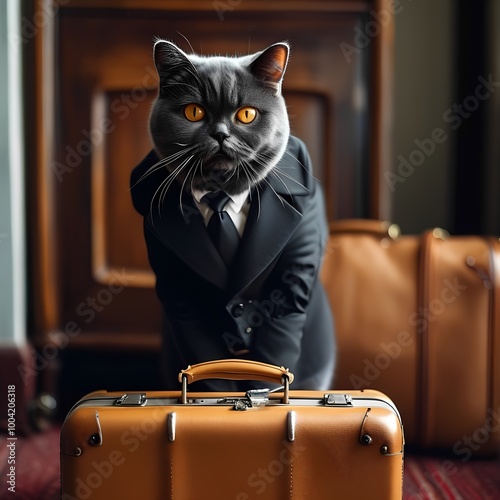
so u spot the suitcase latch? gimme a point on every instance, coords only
(253, 399)
(138, 399)
(338, 400)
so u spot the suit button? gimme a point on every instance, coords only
(237, 310)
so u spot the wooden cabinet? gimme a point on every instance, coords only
(94, 82)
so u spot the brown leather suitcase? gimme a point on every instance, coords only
(418, 318)
(177, 445)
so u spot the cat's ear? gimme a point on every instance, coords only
(270, 65)
(171, 62)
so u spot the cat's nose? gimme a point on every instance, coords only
(221, 133)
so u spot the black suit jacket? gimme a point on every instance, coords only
(270, 306)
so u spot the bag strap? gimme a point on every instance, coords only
(424, 291)
(429, 256)
(384, 229)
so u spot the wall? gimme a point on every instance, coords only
(424, 92)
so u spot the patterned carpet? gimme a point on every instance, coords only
(428, 478)
(37, 467)
(37, 473)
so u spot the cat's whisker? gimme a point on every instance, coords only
(254, 179)
(264, 160)
(258, 204)
(164, 186)
(282, 182)
(179, 168)
(301, 164)
(180, 84)
(193, 167)
(257, 192)
(151, 211)
(163, 163)
(277, 171)
(248, 171)
(241, 166)
(234, 171)
(167, 185)
(274, 191)
(199, 163)
(188, 42)
(180, 153)
(157, 166)
(202, 175)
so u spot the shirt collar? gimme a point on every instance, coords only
(237, 200)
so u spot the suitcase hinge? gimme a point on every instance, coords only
(138, 399)
(338, 400)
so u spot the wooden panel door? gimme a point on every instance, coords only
(95, 83)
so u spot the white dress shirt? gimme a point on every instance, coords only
(237, 208)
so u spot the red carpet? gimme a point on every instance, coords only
(444, 478)
(37, 473)
(37, 467)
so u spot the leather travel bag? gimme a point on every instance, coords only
(418, 318)
(262, 444)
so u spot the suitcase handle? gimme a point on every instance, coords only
(380, 228)
(234, 369)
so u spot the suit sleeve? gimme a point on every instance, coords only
(287, 291)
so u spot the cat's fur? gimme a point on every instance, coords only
(268, 305)
(221, 85)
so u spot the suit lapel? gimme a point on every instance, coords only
(184, 232)
(270, 223)
(275, 212)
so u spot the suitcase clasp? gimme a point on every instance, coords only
(138, 399)
(255, 398)
(338, 400)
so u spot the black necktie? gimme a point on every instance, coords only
(220, 226)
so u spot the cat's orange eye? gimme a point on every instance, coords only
(194, 112)
(246, 114)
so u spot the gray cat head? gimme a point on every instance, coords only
(220, 122)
